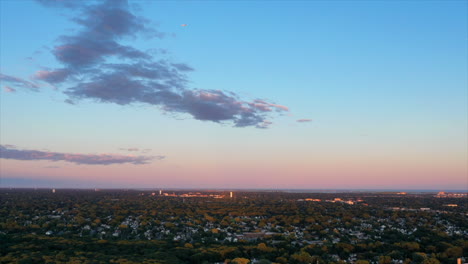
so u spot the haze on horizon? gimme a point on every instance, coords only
(270, 95)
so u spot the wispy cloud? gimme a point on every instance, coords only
(136, 76)
(60, 3)
(130, 149)
(89, 159)
(8, 89)
(52, 167)
(304, 120)
(18, 82)
(264, 124)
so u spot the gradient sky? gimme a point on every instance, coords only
(234, 94)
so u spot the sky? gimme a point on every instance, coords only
(234, 94)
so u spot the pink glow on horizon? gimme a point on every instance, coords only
(260, 174)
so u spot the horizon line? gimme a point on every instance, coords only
(243, 189)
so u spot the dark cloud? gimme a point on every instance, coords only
(217, 106)
(84, 51)
(160, 74)
(89, 159)
(109, 88)
(135, 76)
(54, 76)
(102, 26)
(304, 120)
(15, 81)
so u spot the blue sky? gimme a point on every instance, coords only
(384, 83)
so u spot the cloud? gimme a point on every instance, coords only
(8, 89)
(84, 51)
(264, 124)
(60, 3)
(51, 167)
(97, 66)
(182, 67)
(69, 101)
(102, 26)
(304, 120)
(55, 76)
(130, 149)
(15, 81)
(89, 159)
(262, 105)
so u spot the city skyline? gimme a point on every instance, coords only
(234, 95)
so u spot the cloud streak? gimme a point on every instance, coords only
(18, 82)
(130, 149)
(8, 89)
(304, 120)
(136, 76)
(7, 152)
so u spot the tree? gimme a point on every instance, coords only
(302, 257)
(454, 252)
(431, 261)
(264, 248)
(362, 262)
(240, 261)
(385, 260)
(282, 260)
(188, 245)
